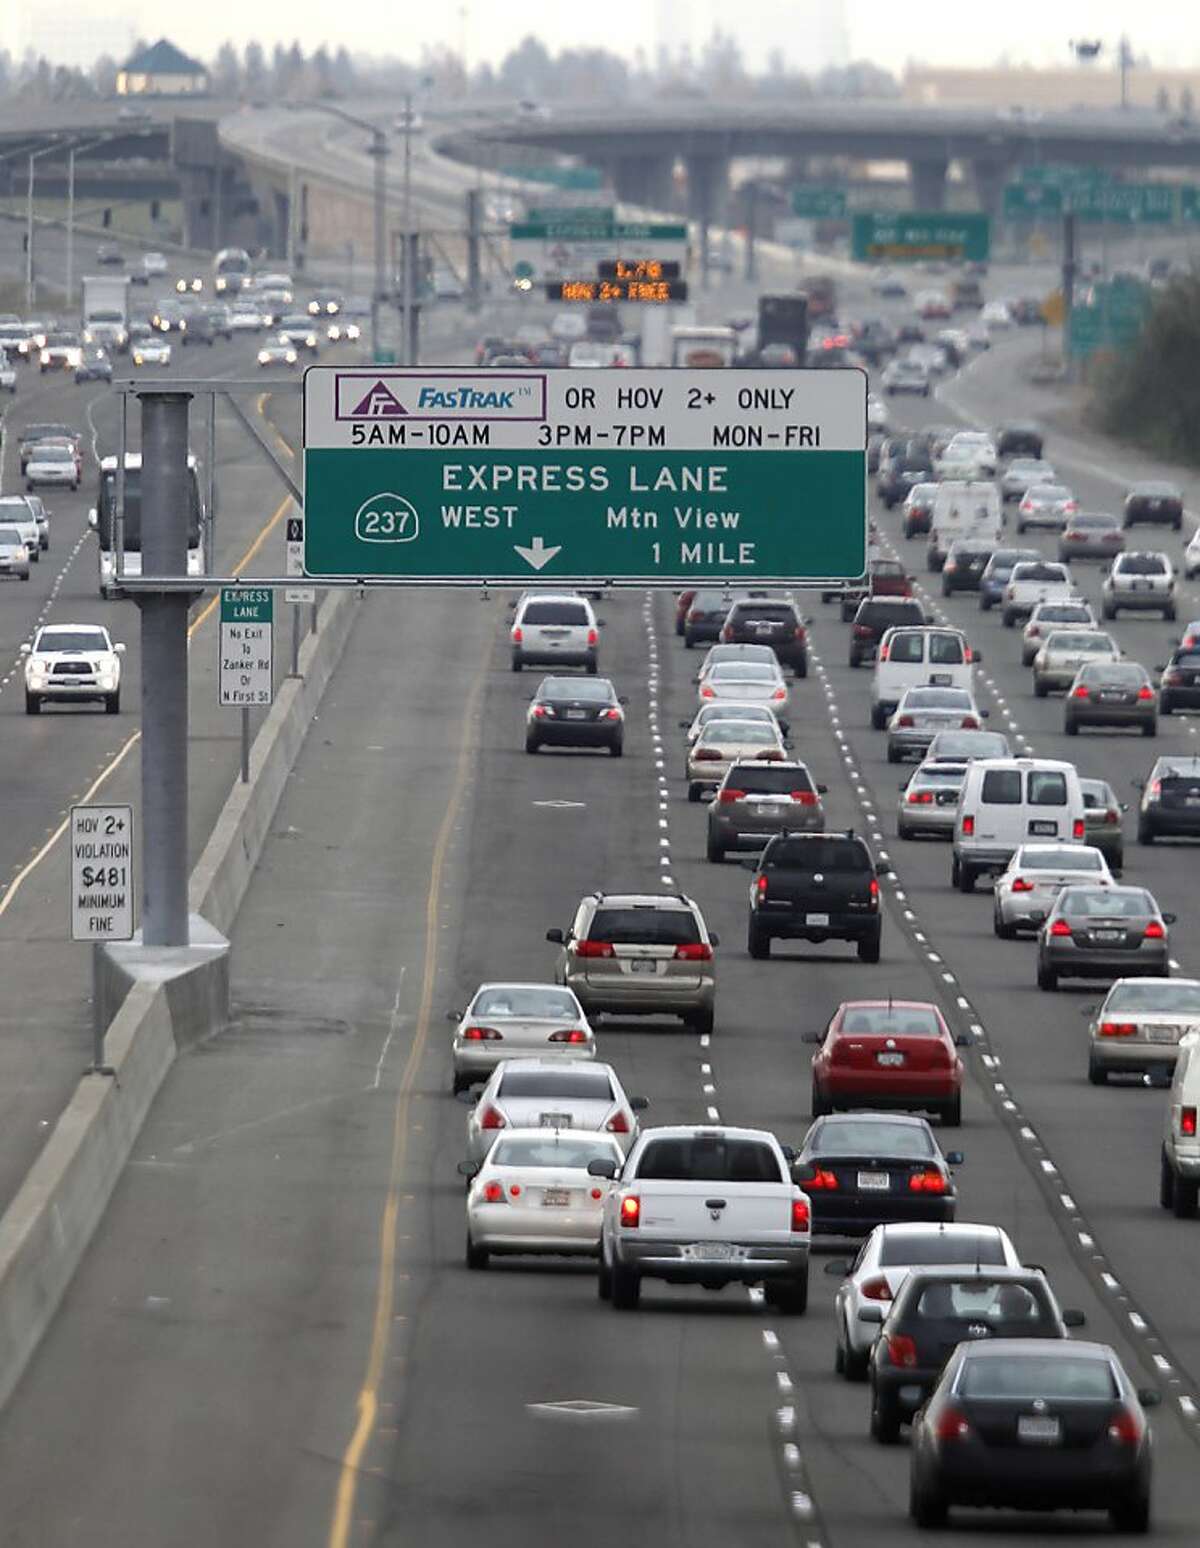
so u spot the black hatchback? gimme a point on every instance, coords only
(1154, 502)
(1170, 804)
(774, 621)
(1179, 687)
(575, 712)
(937, 1309)
(861, 1170)
(875, 616)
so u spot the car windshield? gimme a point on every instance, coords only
(1096, 794)
(859, 1137)
(936, 698)
(1062, 612)
(12, 537)
(582, 1085)
(734, 711)
(1118, 674)
(968, 744)
(1180, 997)
(886, 567)
(1079, 641)
(599, 689)
(558, 1150)
(891, 1020)
(1144, 564)
(645, 926)
(53, 454)
(1087, 519)
(755, 733)
(1076, 857)
(1187, 658)
(1155, 492)
(1049, 494)
(768, 779)
(520, 1000)
(1024, 1378)
(1038, 572)
(940, 774)
(1106, 902)
(910, 1250)
(744, 672)
(71, 639)
(555, 613)
(709, 1158)
(816, 854)
(764, 612)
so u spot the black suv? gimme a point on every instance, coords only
(1019, 439)
(909, 464)
(1154, 502)
(773, 621)
(815, 887)
(199, 328)
(1170, 804)
(965, 564)
(875, 616)
(934, 1311)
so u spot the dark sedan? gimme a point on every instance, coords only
(861, 1170)
(1111, 693)
(934, 1311)
(1103, 932)
(1019, 438)
(1154, 502)
(575, 712)
(965, 564)
(1102, 821)
(875, 616)
(707, 612)
(1170, 804)
(1033, 1425)
(1180, 682)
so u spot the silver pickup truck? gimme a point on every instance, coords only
(707, 1206)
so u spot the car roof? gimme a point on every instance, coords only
(517, 983)
(941, 1272)
(907, 1120)
(559, 1063)
(706, 1131)
(926, 1228)
(888, 1004)
(675, 900)
(1051, 1348)
(74, 628)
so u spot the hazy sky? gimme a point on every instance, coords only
(811, 32)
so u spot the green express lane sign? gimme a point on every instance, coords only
(813, 202)
(914, 235)
(634, 477)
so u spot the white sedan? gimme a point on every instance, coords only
(716, 654)
(1024, 894)
(923, 712)
(1066, 650)
(72, 661)
(884, 1262)
(51, 466)
(564, 1094)
(1191, 556)
(1053, 618)
(504, 1020)
(726, 710)
(533, 1194)
(14, 553)
(996, 316)
(151, 352)
(726, 742)
(755, 682)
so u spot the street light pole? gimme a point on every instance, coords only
(379, 151)
(409, 245)
(30, 285)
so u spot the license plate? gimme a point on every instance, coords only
(1108, 935)
(642, 965)
(891, 1060)
(764, 810)
(816, 919)
(577, 714)
(714, 1252)
(555, 1120)
(940, 679)
(1113, 698)
(1192, 801)
(874, 1182)
(1035, 1430)
(1163, 1034)
(1044, 827)
(764, 629)
(556, 1198)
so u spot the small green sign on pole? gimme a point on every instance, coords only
(1032, 201)
(913, 236)
(1189, 204)
(812, 202)
(1123, 203)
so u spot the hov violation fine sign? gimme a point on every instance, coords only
(101, 873)
(626, 476)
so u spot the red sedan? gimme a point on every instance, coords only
(887, 1053)
(683, 601)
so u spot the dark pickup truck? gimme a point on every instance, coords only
(815, 887)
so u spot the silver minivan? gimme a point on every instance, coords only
(553, 630)
(1179, 1178)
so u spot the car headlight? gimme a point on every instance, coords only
(45, 357)
(263, 357)
(310, 340)
(88, 337)
(291, 357)
(352, 331)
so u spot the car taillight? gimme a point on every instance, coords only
(1154, 931)
(804, 797)
(1112, 816)
(780, 693)
(800, 633)
(920, 798)
(631, 1210)
(611, 714)
(728, 796)
(969, 723)
(593, 949)
(618, 1123)
(928, 1181)
(1033, 631)
(1155, 789)
(1070, 534)
(874, 893)
(1124, 1428)
(1172, 677)
(514, 1190)
(593, 638)
(542, 712)
(1060, 927)
(482, 1035)
(694, 951)
(952, 1424)
(517, 636)
(1078, 829)
(822, 1181)
(1145, 692)
(876, 1289)
(1118, 1029)
(692, 616)
(902, 1350)
(904, 720)
(1081, 692)
(801, 1215)
(597, 1193)
(568, 1035)
(707, 693)
(884, 650)
(493, 1118)
(863, 632)
(726, 635)
(968, 827)
(967, 656)
(761, 885)
(769, 757)
(1187, 1122)
(493, 1193)
(706, 755)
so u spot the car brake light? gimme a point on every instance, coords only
(1124, 1428)
(725, 634)
(920, 798)
(1187, 1122)
(611, 714)
(1081, 692)
(482, 1035)
(1154, 931)
(769, 757)
(1145, 692)
(804, 797)
(967, 656)
(1060, 927)
(517, 636)
(884, 650)
(874, 892)
(952, 1424)
(1078, 829)
(1022, 884)
(493, 1118)
(928, 1181)
(631, 1210)
(618, 1123)
(780, 693)
(1155, 789)
(1173, 678)
(593, 638)
(863, 632)
(706, 755)
(593, 949)
(761, 884)
(541, 711)
(822, 1181)
(904, 720)
(968, 827)
(707, 693)
(597, 1193)
(800, 633)
(969, 723)
(568, 1035)
(694, 951)
(902, 1350)
(876, 1289)
(728, 796)
(493, 1193)
(801, 1215)
(1118, 1029)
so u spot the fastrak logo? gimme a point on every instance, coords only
(439, 395)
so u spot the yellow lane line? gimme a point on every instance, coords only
(368, 1396)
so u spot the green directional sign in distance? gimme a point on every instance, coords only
(589, 215)
(634, 477)
(910, 237)
(1032, 201)
(1062, 175)
(583, 178)
(1189, 203)
(817, 203)
(1152, 203)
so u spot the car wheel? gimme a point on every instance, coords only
(626, 1288)
(903, 831)
(516, 663)
(1183, 1204)
(688, 642)
(946, 589)
(1166, 1182)
(1150, 728)
(885, 1418)
(855, 659)
(1118, 862)
(819, 1105)
(951, 1112)
(1132, 1515)
(868, 950)
(477, 1257)
(839, 1357)
(592, 668)
(1020, 526)
(1145, 832)
(789, 1296)
(531, 744)
(1097, 1073)
(1040, 688)
(1009, 619)
(878, 717)
(693, 793)
(1108, 611)
(616, 749)
(33, 705)
(1169, 614)
(604, 1281)
(966, 877)
(1071, 727)
(715, 853)
(1006, 932)
(855, 1363)
(460, 1082)
(701, 1022)
(1164, 705)
(758, 942)
(893, 754)
(1047, 978)
(112, 703)
(801, 667)
(926, 1507)
(985, 603)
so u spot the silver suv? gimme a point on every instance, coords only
(639, 954)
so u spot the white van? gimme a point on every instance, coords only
(917, 658)
(554, 630)
(963, 510)
(1179, 1180)
(1007, 802)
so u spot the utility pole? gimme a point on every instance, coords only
(379, 150)
(70, 224)
(409, 245)
(1068, 290)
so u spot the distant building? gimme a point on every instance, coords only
(161, 70)
(1084, 86)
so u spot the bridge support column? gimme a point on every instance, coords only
(643, 180)
(989, 178)
(927, 176)
(708, 189)
(281, 225)
(198, 198)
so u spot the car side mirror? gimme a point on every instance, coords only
(602, 623)
(1169, 918)
(837, 1268)
(870, 1314)
(985, 714)
(884, 870)
(93, 518)
(715, 940)
(119, 650)
(812, 1037)
(962, 1042)
(685, 725)
(955, 1158)
(789, 1153)
(556, 936)
(977, 656)
(467, 1169)
(1072, 1317)
(468, 1097)
(26, 648)
(602, 1166)
(639, 1104)
(624, 699)
(1148, 1397)
(1037, 916)
(1161, 667)
(1138, 784)
(453, 1015)
(803, 1172)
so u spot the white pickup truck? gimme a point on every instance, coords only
(1033, 581)
(705, 1206)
